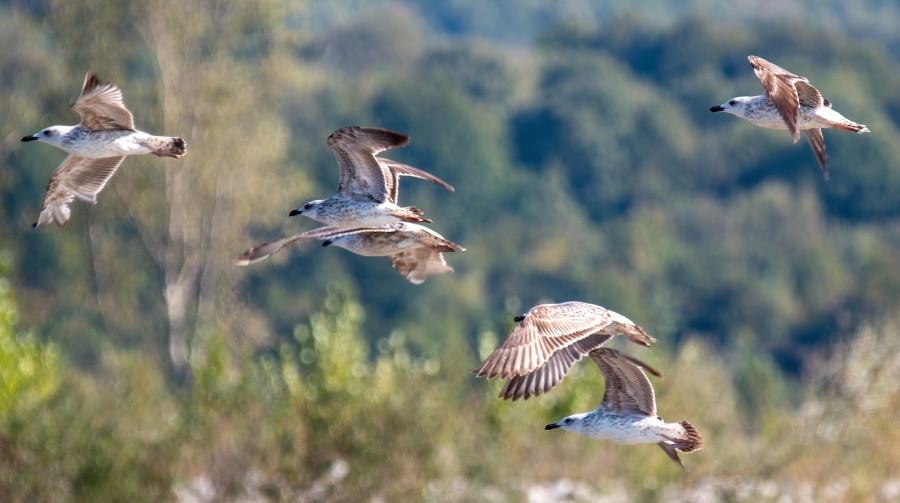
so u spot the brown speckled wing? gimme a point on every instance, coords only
(780, 86)
(76, 177)
(545, 330)
(101, 106)
(362, 176)
(418, 264)
(396, 170)
(817, 143)
(548, 375)
(266, 250)
(627, 388)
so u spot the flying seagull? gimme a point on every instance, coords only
(550, 338)
(791, 103)
(96, 148)
(367, 193)
(627, 414)
(416, 252)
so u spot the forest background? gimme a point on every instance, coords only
(138, 364)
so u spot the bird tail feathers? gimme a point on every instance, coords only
(681, 436)
(411, 214)
(167, 146)
(851, 126)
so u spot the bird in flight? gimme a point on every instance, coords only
(791, 103)
(367, 193)
(549, 339)
(627, 413)
(416, 252)
(96, 148)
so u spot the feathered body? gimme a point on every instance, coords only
(791, 103)
(627, 413)
(96, 148)
(369, 187)
(416, 252)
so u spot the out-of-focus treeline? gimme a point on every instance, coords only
(138, 364)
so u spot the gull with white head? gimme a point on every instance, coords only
(791, 103)
(549, 339)
(627, 413)
(416, 252)
(367, 193)
(96, 148)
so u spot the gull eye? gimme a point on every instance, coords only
(568, 421)
(307, 206)
(732, 102)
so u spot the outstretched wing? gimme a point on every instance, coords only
(817, 143)
(785, 90)
(548, 375)
(545, 330)
(396, 170)
(627, 388)
(362, 177)
(77, 177)
(418, 264)
(101, 106)
(266, 250)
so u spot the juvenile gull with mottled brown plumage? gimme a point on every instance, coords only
(416, 252)
(367, 193)
(539, 352)
(627, 414)
(791, 103)
(96, 148)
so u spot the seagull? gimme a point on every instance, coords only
(416, 252)
(367, 193)
(791, 103)
(627, 414)
(550, 338)
(96, 148)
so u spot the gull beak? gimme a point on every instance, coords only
(292, 213)
(519, 318)
(717, 108)
(551, 426)
(29, 138)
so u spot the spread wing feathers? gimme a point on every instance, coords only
(397, 169)
(101, 107)
(817, 142)
(673, 455)
(548, 375)
(329, 232)
(545, 330)
(809, 95)
(76, 177)
(266, 250)
(627, 387)
(419, 264)
(783, 89)
(362, 176)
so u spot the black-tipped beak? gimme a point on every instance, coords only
(293, 213)
(717, 108)
(552, 426)
(327, 242)
(519, 318)
(29, 138)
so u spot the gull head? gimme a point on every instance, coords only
(53, 135)
(735, 106)
(309, 209)
(573, 423)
